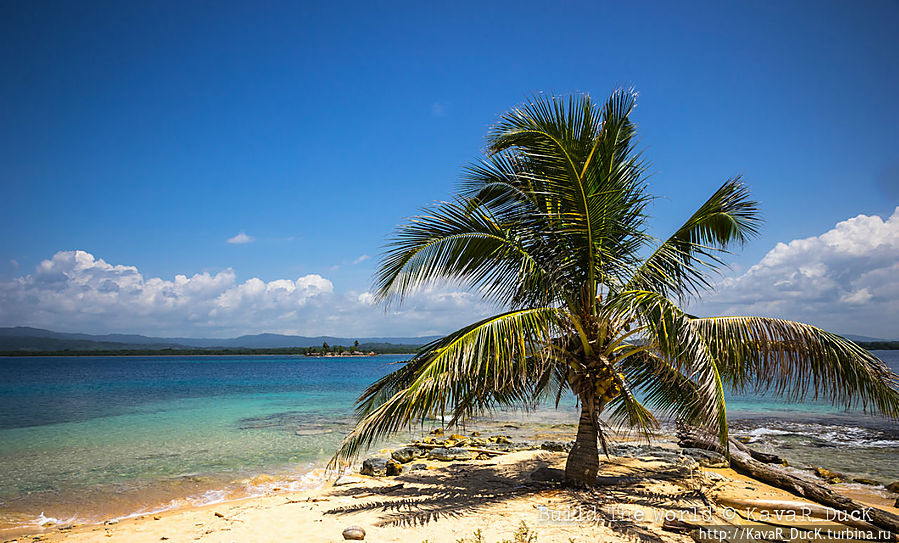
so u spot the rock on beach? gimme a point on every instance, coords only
(354, 533)
(381, 467)
(449, 454)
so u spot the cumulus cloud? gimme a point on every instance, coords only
(241, 238)
(76, 291)
(846, 280)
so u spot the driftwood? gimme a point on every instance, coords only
(790, 509)
(758, 455)
(743, 462)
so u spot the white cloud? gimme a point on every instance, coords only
(845, 280)
(75, 291)
(241, 238)
(360, 259)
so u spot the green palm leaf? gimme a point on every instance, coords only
(492, 362)
(682, 263)
(796, 360)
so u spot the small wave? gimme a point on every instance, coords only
(845, 435)
(209, 497)
(42, 520)
(884, 443)
(759, 432)
(311, 479)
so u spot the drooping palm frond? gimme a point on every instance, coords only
(663, 387)
(796, 360)
(504, 187)
(492, 362)
(628, 412)
(670, 333)
(682, 263)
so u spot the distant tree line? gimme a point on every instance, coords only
(377, 348)
(879, 345)
(336, 349)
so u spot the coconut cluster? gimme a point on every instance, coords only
(601, 379)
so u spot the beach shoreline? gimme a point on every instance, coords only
(315, 481)
(449, 501)
(175, 449)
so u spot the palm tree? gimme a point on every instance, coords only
(550, 226)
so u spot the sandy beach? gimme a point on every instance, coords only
(491, 498)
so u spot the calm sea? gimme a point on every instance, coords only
(84, 439)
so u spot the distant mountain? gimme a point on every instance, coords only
(279, 341)
(854, 337)
(23, 338)
(37, 339)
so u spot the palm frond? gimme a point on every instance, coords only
(663, 387)
(797, 360)
(579, 159)
(681, 265)
(627, 411)
(461, 242)
(492, 362)
(672, 336)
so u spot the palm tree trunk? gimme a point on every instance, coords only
(583, 460)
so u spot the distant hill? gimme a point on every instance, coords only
(23, 338)
(865, 339)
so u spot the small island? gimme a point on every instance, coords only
(338, 350)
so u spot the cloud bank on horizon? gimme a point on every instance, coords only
(76, 291)
(845, 280)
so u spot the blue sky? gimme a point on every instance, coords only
(149, 134)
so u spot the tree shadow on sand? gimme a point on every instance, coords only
(452, 491)
(456, 490)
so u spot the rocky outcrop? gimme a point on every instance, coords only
(706, 459)
(831, 477)
(408, 454)
(449, 454)
(556, 446)
(381, 467)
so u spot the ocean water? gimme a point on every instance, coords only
(85, 439)
(816, 433)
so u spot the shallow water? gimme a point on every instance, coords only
(89, 438)
(84, 439)
(815, 433)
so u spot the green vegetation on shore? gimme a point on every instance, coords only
(878, 345)
(365, 348)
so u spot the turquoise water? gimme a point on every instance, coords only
(86, 439)
(83, 439)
